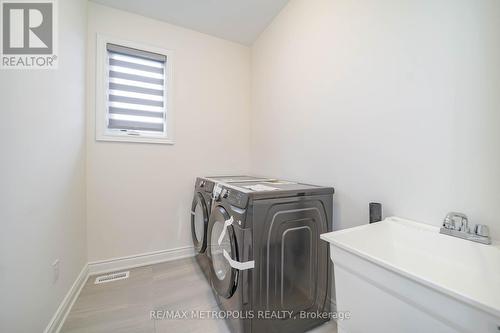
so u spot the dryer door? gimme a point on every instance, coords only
(199, 223)
(221, 238)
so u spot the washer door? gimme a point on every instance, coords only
(199, 223)
(224, 278)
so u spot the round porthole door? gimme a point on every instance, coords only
(199, 223)
(222, 239)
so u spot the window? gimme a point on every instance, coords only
(133, 92)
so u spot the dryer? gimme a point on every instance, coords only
(201, 208)
(266, 257)
(200, 213)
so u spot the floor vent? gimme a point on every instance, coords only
(112, 277)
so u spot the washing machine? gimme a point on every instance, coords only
(201, 208)
(267, 263)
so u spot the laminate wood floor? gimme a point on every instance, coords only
(126, 305)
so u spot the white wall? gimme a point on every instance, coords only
(394, 101)
(42, 191)
(139, 195)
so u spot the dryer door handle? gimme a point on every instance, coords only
(241, 266)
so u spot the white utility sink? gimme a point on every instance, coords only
(402, 276)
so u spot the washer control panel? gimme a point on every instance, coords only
(235, 198)
(217, 192)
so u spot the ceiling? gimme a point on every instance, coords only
(239, 21)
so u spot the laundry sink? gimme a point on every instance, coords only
(403, 276)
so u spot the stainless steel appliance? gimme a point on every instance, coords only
(266, 256)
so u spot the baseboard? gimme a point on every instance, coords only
(143, 259)
(105, 266)
(67, 303)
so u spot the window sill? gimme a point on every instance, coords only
(137, 139)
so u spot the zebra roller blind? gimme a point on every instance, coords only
(136, 90)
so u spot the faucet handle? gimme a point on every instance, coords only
(482, 230)
(448, 222)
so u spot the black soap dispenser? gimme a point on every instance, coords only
(375, 212)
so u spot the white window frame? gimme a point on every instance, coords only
(103, 133)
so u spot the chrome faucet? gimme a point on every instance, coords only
(457, 225)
